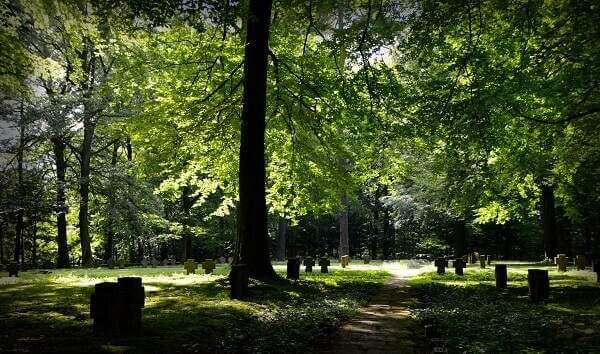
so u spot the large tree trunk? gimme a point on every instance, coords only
(344, 248)
(459, 238)
(59, 146)
(387, 237)
(282, 226)
(549, 221)
(110, 222)
(186, 207)
(252, 238)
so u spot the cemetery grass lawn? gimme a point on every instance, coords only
(50, 312)
(478, 318)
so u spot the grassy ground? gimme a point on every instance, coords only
(43, 313)
(478, 318)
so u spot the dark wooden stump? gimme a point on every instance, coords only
(293, 268)
(131, 293)
(441, 264)
(459, 264)
(501, 276)
(239, 281)
(104, 308)
(539, 284)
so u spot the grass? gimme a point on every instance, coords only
(50, 312)
(475, 317)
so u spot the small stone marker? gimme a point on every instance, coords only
(580, 262)
(117, 307)
(489, 259)
(344, 261)
(324, 263)
(121, 263)
(539, 284)
(209, 266)
(293, 268)
(309, 262)
(111, 263)
(222, 260)
(459, 264)
(239, 281)
(366, 259)
(154, 262)
(165, 262)
(561, 262)
(501, 275)
(441, 264)
(13, 269)
(482, 262)
(144, 263)
(190, 266)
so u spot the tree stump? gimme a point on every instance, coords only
(13, 269)
(539, 284)
(131, 296)
(309, 262)
(459, 264)
(239, 281)
(501, 276)
(293, 268)
(324, 263)
(441, 264)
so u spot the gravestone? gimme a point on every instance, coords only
(580, 262)
(441, 264)
(209, 266)
(474, 257)
(222, 260)
(489, 259)
(111, 263)
(13, 269)
(501, 275)
(121, 263)
(561, 262)
(293, 268)
(309, 262)
(482, 262)
(366, 259)
(324, 263)
(154, 262)
(238, 277)
(596, 269)
(165, 262)
(190, 266)
(117, 307)
(539, 284)
(344, 261)
(144, 263)
(459, 264)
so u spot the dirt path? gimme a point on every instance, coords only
(384, 326)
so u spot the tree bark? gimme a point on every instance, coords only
(282, 226)
(110, 222)
(20, 191)
(186, 206)
(549, 221)
(344, 248)
(252, 246)
(84, 192)
(59, 146)
(34, 245)
(2, 241)
(387, 237)
(459, 238)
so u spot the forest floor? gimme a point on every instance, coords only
(50, 312)
(387, 324)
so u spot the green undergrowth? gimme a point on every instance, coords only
(50, 312)
(475, 317)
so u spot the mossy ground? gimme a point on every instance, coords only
(50, 312)
(478, 318)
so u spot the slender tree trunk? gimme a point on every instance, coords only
(549, 221)
(252, 237)
(21, 192)
(84, 192)
(459, 238)
(110, 222)
(344, 248)
(34, 245)
(59, 146)
(186, 206)
(282, 226)
(2, 242)
(387, 238)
